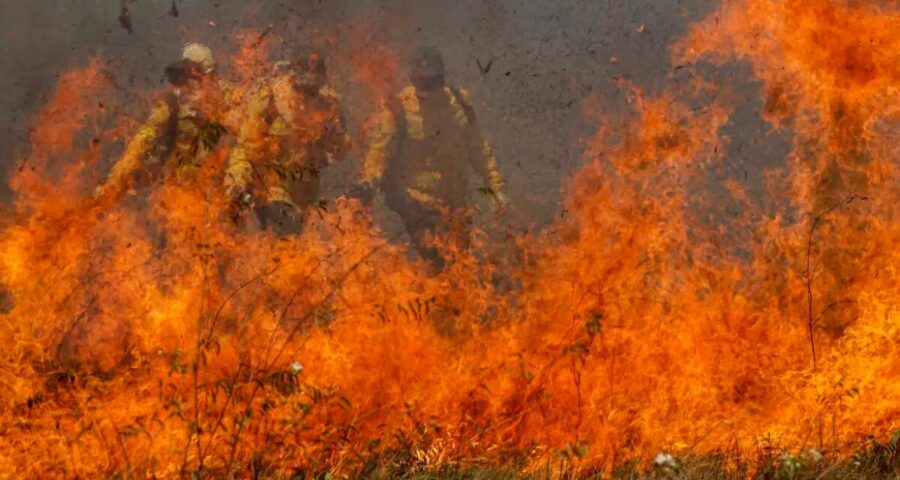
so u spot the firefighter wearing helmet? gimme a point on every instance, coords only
(427, 137)
(181, 130)
(293, 129)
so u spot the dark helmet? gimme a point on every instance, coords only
(426, 67)
(181, 72)
(309, 67)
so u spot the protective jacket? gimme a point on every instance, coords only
(422, 148)
(285, 140)
(179, 133)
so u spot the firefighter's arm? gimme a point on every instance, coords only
(376, 157)
(338, 139)
(484, 161)
(487, 167)
(238, 173)
(483, 158)
(148, 136)
(250, 140)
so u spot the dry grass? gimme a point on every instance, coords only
(873, 461)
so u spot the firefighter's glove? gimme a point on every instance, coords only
(364, 192)
(240, 201)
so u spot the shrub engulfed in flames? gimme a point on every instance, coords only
(634, 326)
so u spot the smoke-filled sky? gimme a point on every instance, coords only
(554, 65)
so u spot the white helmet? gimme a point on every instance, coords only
(282, 67)
(199, 53)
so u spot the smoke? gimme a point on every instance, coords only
(644, 320)
(534, 68)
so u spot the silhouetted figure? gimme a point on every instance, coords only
(426, 139)
(292, 130)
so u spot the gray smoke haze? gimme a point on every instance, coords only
(547, 57)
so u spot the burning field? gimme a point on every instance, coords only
(145, 335)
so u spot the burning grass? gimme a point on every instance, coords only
(151, 338)
(873, 461)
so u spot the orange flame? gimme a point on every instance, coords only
(161, 341)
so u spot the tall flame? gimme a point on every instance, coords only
(151, 338)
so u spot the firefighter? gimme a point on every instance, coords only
(181, 130)
(426, 139)
(293, 129)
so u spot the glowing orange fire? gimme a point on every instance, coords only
(636, 329)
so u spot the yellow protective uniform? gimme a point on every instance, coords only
(423, 144)
(286, 139)
(179, 133)
(419, 155)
